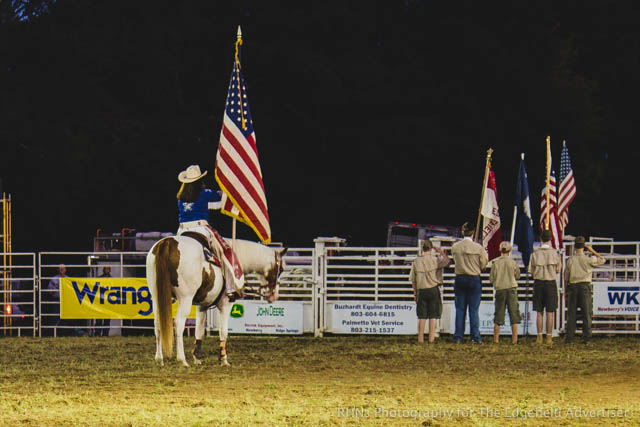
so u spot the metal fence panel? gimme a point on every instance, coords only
(19, 312)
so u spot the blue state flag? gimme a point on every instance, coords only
(523, 236)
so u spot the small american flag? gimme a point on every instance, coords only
(567, 189)
(237, 167)
(554, 223)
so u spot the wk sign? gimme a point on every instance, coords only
(616, 298)
(107, 298)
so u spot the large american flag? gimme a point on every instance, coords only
(237, 167)
(554, 223)
(567, 189)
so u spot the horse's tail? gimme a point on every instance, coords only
(166, 276)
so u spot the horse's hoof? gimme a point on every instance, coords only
(159, 361)
(197, 361)
(225, 362)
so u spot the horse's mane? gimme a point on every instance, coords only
(253, 256)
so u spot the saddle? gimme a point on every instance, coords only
(208, 253)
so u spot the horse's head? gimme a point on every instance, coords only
(271, 274)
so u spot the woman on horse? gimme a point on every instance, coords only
(194, 202)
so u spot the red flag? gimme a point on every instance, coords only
(237, 167)
(491, 234)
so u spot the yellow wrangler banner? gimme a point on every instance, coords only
(107, 298)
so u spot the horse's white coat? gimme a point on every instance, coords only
(253, 258)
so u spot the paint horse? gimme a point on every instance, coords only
(177, 268)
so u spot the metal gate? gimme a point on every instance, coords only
(83, 264)
(19, 283)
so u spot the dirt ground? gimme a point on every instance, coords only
(351, 380)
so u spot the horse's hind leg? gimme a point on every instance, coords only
(201, 314)
(158, 344)
(184, 307)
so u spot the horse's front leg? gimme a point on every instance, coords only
(224, 308)
(184, 307)
(201, 314)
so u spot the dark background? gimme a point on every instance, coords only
(365, 111)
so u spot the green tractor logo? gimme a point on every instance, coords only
(237, 311)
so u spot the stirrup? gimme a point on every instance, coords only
(233, 296)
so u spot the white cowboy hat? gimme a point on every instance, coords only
(191, 174)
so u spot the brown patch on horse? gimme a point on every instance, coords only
(276, 269)
(205, 286)
(172, 254)
(197, 236)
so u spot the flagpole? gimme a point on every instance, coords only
(237, 65)
(564, 143)
(484, 188)
(548, 180)
(515, 210)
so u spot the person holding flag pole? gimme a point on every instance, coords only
(545, 264)
(470, 258)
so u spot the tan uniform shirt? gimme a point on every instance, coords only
(504, 273)
(579, 268)
(469, 256)
(426, 271)
(545, 263)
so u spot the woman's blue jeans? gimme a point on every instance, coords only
(468, 294)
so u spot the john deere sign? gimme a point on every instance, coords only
(237, 311)
(252, 317)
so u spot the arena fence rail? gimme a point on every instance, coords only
(328, 289)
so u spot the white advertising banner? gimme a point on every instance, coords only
(377, 318)
(486, 313)
(616, 298)
(255, 317)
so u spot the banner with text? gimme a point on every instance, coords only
(357, 317)
(107, 298)
(616, 298)
(255, 317)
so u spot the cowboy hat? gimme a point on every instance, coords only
(192, 174)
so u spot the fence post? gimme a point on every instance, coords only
(319, 287)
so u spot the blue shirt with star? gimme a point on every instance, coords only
(198, 210)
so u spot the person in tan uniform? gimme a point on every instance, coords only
(470, 259)
(544, 266)
(426, 277)
(577, 276)
(503, 276)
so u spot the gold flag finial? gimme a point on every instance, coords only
(240, 89)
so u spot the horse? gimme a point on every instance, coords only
(176, 267)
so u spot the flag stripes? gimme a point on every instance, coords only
(237, 167)
(554, 224)
(567, 189)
